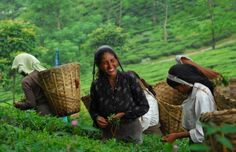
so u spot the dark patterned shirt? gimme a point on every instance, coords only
(127, 97)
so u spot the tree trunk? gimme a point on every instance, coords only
(58, 19)
(120, 13)
(154, 15)
(165, 22)
(211, 10)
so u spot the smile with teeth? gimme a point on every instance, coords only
(111, 70)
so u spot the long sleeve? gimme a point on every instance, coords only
(151, 118)
(204, 103)
(141, 104)
(94, 104)
(29, 94)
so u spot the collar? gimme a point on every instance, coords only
(199, 86)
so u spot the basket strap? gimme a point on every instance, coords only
(174, 117)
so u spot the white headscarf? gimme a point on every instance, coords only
(178, 80)
(178, 58)
(26, 63)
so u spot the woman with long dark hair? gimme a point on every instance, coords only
(117, 100)
(215, 77)
(188, 80)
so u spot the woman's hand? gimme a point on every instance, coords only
(21, 105)
(169, 138)
(102, 122)
(119, 115)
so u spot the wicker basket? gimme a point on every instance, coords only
(218, 118)
(61, 87)
(225, 97)
(86, 100)
(170, 108)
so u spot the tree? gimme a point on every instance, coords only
(108, 34)
(10, 9)
(211, 11)
(165, 35)
(49, 15)
(15, 37)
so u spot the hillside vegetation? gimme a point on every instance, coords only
(146, 36)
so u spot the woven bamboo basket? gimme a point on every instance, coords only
(219, 118)
(61, 87)
(170, 108)
(86, 100)
(225, 97)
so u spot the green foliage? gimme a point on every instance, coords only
(218, 133)
(112, 120)
(10, 9)
(135, 29)
(224, 141)
(26, 131)
(188, 26)
(199, 147)
(15, 37)
(108, 34)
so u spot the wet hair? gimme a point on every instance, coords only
(99, 54)
(189, 74)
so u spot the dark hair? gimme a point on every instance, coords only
(98, 56)
(148, 86)
(189, 74)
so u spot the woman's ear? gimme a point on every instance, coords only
(184, 89)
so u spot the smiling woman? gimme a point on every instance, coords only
(117, 100)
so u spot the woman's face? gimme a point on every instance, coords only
(184, 89)
(109, 64)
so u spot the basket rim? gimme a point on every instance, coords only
(222, 112)
(61, 66)
(219, 91)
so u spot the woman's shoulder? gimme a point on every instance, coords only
(202, 90)
(128, 75)
(31, 78)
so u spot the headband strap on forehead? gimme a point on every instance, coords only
(178, 80)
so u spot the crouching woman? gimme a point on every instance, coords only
(188, 80)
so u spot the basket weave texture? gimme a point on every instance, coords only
(170, 108)
(225, 97)
(86, 100)
(60, 87)
(227, 116)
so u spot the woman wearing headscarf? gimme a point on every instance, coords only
(29, 67)
(117, 100)
(215, 77)
(188, 80)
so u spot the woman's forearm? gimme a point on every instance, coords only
(182, 134)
